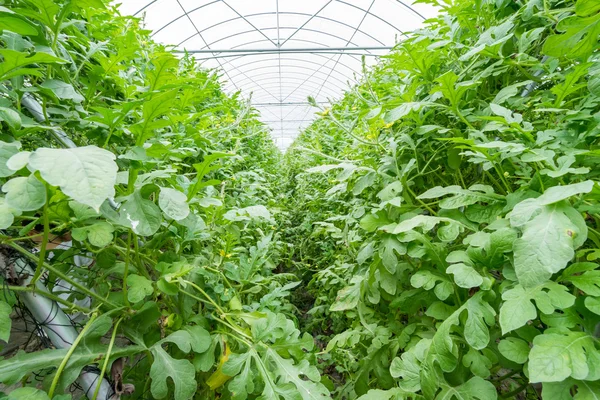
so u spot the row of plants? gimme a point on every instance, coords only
(167, 190)
(445, 213)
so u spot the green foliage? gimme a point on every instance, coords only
(452, 245)
(168, 190)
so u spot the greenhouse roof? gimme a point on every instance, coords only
(282, 51)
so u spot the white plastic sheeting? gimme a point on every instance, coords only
(292, 48)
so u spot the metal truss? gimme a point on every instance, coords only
(285, 54)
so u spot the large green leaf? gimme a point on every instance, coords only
(154, 108)
(86, 174)
(7, 150)
(11, 117)
(514, 349)
(139, 288)
(181, 372)
(518, 308)
(461, 197)
(16, 23)
(89, 351)
(7, 214)
(558, 355)
(28, 393)
(546, 246)
(580, 33)
(173, 203)
(141, 215)
(25, 193)
(62, 90)
(14, 62)
(474, 388)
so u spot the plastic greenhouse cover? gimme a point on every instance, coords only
(282, 51)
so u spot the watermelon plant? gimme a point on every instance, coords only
(451, 206)
(434, 234)
(115, 151)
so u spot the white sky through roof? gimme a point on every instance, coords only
(282, 51)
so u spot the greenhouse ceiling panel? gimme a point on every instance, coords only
(280, 52)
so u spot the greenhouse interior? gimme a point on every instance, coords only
(285, 200)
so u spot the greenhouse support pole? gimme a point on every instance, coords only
(56, 325)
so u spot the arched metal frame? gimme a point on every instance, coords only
(278, 66)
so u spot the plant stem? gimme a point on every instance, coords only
(106, 359)
(126, 270)
(63, 276)
(518, 390)
(38, 269)
(65, 360)
(49, 295)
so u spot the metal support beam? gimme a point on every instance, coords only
(304, 24)
(280, 50)
(286, 104)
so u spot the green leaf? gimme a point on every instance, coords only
(462, 197)
(478, 362)
(408, 367)
(181, 372)
(139, 288)
(100, 234)
(154, 108)
(290, 373)
(141, 215)
(390, 246)
(428, 280)
(14, 61)
(587, 7)
(546, 245)
(558, 355)
(371, 222)
(173, 203)
(204, 168)
(570, 84)
(62, 90)
(518, 309)
(526, 209)
(465, 276)
(5, 321)
(89, 351)
(424, 222)
(7, 214)
(27, 393)
(401, 111)
(18, 161)
(162, 74)
(474, 388)
(442, 354)
(200, 339)
(584, 276)
(7, 150)
(86, 174)
(391, 394)
(11, 117)
(514, 349)
(25, 194)
(16, 23)
(46, 12)
(240, 367)
(364, 182)
(584, 390)
(348, 297)
(391, 191)
(579, 37)
(451, 90)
